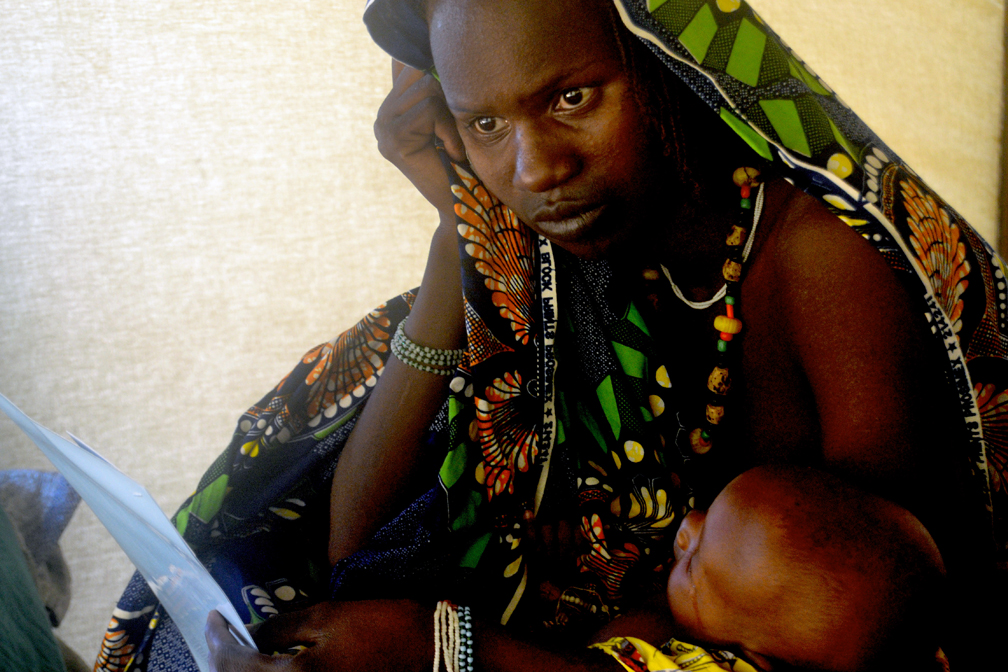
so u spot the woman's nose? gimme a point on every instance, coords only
(543, 160)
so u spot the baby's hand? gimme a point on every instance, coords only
(409, 119)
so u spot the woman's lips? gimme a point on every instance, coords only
(565, 222)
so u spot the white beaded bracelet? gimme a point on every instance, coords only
(431, 360)
(447, 638)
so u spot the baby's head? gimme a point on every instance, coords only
(791, 565)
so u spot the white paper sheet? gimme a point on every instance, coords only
(134, 519)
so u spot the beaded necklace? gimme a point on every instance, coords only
(719, 381)
(739, 244)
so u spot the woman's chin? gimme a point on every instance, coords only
(592, 235)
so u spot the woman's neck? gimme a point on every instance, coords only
(690, 220)
(693, 249)
(689, 238)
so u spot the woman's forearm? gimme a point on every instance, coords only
(381, 464)
(389, 634)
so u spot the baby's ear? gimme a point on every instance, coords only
(688, 535)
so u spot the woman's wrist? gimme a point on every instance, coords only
(436, 320)
(442, 362)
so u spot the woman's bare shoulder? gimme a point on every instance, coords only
(853, 331)
(810, 249)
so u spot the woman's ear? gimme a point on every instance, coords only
(688, 535)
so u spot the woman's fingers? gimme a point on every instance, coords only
(228, 655)
(302, 628)
(413, 131)
(417, 86)
(416, 107)
(217, 632)
(406, 78)
(446, 129)
(411, 118)
(413, 92)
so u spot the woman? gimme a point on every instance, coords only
(594, 397)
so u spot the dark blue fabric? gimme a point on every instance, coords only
(406, 558)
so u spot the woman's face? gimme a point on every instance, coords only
(549, 116)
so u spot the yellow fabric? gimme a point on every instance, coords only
(636, 655)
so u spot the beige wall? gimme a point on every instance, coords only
(924, 74)
(190, 198)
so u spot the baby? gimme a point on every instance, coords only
(793, 566)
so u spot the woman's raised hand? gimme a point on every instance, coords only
(383, 465)
(413, 114)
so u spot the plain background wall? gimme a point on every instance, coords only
(190, 198)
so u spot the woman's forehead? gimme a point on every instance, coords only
(530, 14)
(513, 44)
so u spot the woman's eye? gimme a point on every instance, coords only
(573, 98)
(486, 124)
